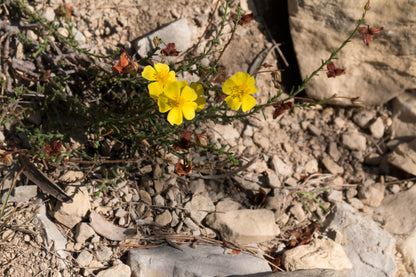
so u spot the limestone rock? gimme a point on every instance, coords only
(281, 168)
(177, 32)
(164, 218)
(226, 205)
(377, 128)
(372, 195)
(407, 247)
(404, 115)
(354, 141)
(70, 214)
(21, 194)
(120, 270)
(375, 73)
(199, 207)
(307, 273)
(331, 166)
(83, 232)
(320, 253)
(53, 235)
(108, 229)
(245, 226)
(398, 212)
(84, 258)
(368, 247)
(404, 157)
(204, 260)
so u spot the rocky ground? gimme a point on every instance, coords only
(222, 220)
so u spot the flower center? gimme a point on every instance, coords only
(162, 77)
(179, 102)
(241, 91)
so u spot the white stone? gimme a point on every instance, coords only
(108, 230)
(49, 14)
(104, 253)
(320, 253)
(354, 141)
(363, 117)
(84, 258)
(199, 207)
(335, 196)
(404, 157)
(70, 214)
(120, 270)
(203, 260)
(311, 166)
(21, 194)
(331, 166)
(297, 211)
(71, 176)
(164, 218)
(83, 232)
(280, 167)
(53, 236)
(227, 205)
(372, 195)
(377, 128)
(245, 226)
(272, 179)
(177, 32)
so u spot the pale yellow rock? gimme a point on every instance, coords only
(320, 253)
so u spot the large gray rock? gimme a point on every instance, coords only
(177, 32)
(368, 247)
(303, 273)
(245, 226)
(398, 214)
(204, 260)
(375, 73)
(53, 236)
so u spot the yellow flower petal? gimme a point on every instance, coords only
(199, 89)
(189, 94)
(251, 83)
(173, 90)
(149, 73)
(248, 103)
(155, 89)
(240, 78)
(228, 86)
(200, 101)
(188, 110)
(233, 102)
(175, 116)
(161, 67)
(163, 103)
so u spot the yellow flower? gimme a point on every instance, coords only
(199, 89)
(161, 76)
(238, 88)
(179, 99)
